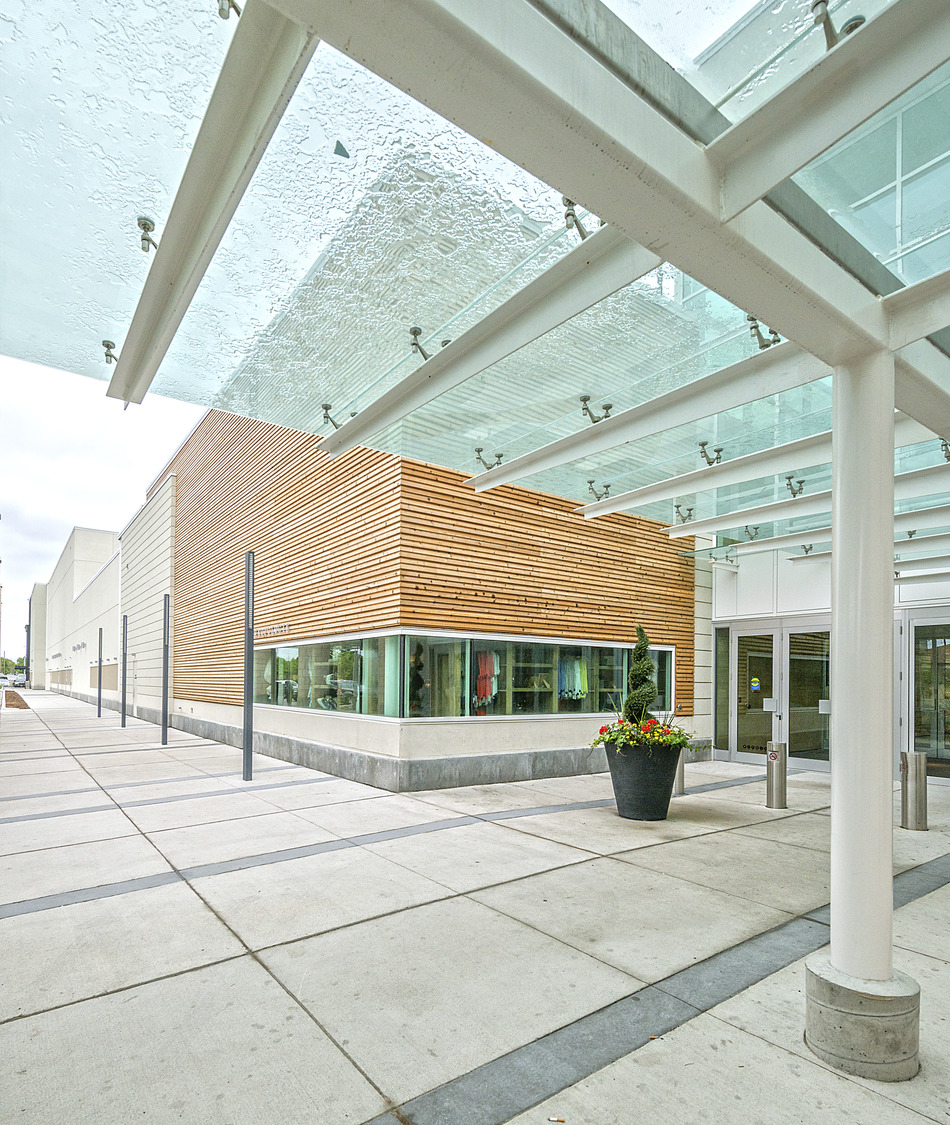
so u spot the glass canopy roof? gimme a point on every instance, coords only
(737, 54)
(370, 214)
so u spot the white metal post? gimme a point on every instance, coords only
(862, 668)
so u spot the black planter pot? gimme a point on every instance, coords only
(643, 783)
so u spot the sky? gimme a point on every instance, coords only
(69, 457)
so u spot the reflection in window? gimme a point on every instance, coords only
(437, 682)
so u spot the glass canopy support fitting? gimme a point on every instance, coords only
(415, 333)
(756, 333)
(684, 518)
(146, 226)
(795, 489)
(823, 20)
(945, 449)
(717, 449)
(571, 221)
(226, 7)
(585, 409)
(479, 450)
(753, 534)
(111, 357)
(598, 495)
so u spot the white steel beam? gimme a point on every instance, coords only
(918, 310)
(921, 385)
(928, 481)
(814, 450)
(765, 373)
(864, 73)
(922, 579)
(599, 266)
(267, 58)
(925, 519)
(927, 562)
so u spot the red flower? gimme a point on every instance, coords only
(603, 730)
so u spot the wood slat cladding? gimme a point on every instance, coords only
(325, 534)
(368, 541)
(516, 561)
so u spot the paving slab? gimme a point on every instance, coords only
(602, 831)
(647, 923)
(224, 1045)
(476, 855)
(195, 810)
(413, 1008)
(51, 832)
(781, 875)
(922, 926)
(475, 799)
(381, 814)
(36, 874)
(313, 796)
(709, 1072)
(75, 952)
(229, 839)
(295, 898)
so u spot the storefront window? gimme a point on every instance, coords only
(722, 690)
(450, 677)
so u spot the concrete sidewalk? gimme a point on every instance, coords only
(182, 946)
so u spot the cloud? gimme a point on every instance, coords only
(70, 458)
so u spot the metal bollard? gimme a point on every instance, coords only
(914, 790)
(776, 775)
(679, 782)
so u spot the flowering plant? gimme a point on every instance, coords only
(646, 733)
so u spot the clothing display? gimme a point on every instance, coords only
(571, 678)
(486, 679)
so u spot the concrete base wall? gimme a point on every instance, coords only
(398, 775)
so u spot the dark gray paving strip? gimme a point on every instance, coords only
(88, 894)
(510, 1085)
(540, 810)
(136, 784)
(161, 800)
(4, 758)
(412, 830)
(204, 870)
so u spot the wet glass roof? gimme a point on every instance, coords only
(737, 54)
(370, 214)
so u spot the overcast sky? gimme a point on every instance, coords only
(69, 457)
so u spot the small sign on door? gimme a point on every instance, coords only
(755, 684)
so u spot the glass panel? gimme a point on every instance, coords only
(737, 52)
(534, 679)
(888, 182)
(809, 678)
(609, 678)
(932, 697)
(721, 732)
(573, 679)
(491, 668)
(437, 677)
(286, 686)
(753, 687)
(263, 675)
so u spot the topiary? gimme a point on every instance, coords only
(641, 687)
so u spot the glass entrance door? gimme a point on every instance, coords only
(780, 690)
(807, 709)
(932, 696)
(753, 697)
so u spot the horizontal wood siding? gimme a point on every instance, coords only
(325, 535)
(516, 561)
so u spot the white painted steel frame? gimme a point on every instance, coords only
(266, 60)
(865, 72)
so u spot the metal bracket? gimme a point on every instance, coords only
(414, 344)
(225, 7)
(807, 548)
(687, 517)
(795, 491)
(111, 357)
(598, 495)
(756, 333)
(146, 226)
(479, 450)
(571, 219)
(754, 533)
(945, 449)
(585, 409)
(823, 20)
(717, 449)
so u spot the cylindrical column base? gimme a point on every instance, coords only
(866, 1027)
(914, 791)
(776, 775)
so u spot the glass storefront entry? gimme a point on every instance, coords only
(779, 691)
(932, 696)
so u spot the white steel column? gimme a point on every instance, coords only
(862, 643)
